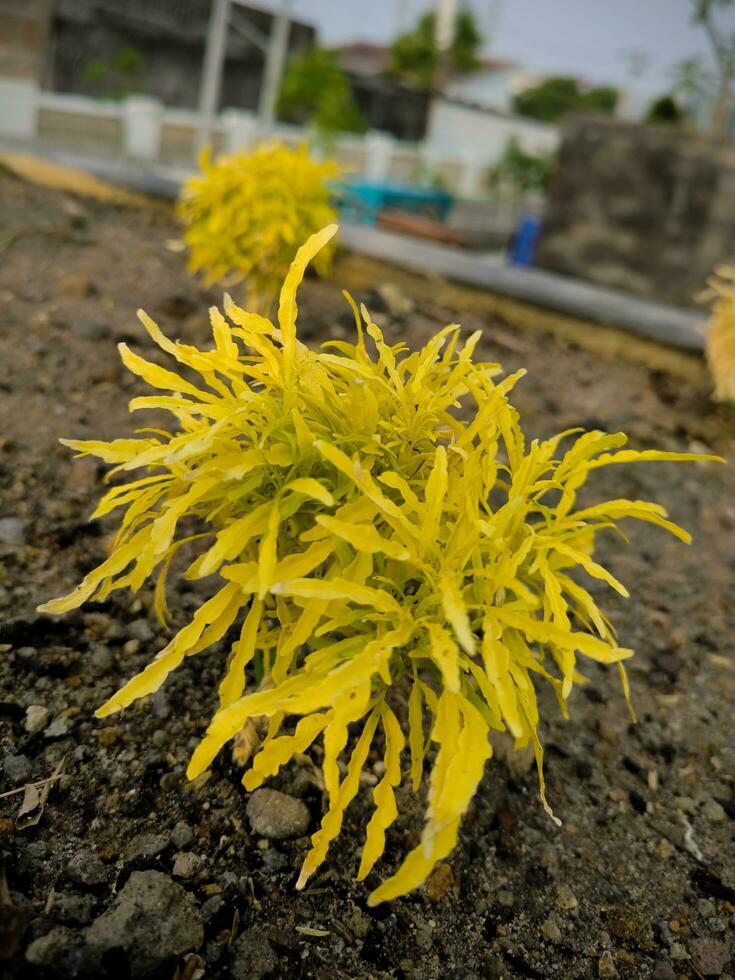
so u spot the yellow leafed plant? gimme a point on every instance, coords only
(391, 551)
(246, 214)
(721, 333)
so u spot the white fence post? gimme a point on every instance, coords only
(19, 108)
(142, 127)
(378, 153)
(241, 129)
(470, 178)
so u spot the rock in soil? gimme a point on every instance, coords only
(253, 957)
(152, 921)
(277, 815)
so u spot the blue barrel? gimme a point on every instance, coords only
(523, 244)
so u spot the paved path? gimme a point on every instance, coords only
(586, 301)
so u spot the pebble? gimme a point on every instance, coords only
(359, 924)
(17, 768)
(102, 659)
(51, 949)
(252, 956)
(75, 286)
(109, 735)
(566, 899)
(36, 718)
(678, 952)
(663, 970)
(709, 956)
(12, 531)
(550, 928)
(277, 815)
(140, 629)
(606, 965)
(713, 811)
(58, 728)
(153, 920)
(186, 863)
(506, 898)
(182, 835)
(86, 869)
(146, 845)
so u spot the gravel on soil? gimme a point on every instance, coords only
(122, 868)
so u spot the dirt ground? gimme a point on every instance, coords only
(640, 880)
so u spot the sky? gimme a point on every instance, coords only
(589, 38)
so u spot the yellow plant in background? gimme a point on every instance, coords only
(246, 214)
(721, 333)
(395, 555)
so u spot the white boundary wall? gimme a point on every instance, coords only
(462, 147)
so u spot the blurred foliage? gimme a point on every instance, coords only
(525, 170)
(246, 214)
(415, 57)
(117, 78)
(555, 97)
(315, 90)
(721, 333)
(665, 111)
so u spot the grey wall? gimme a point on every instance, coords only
(647, 209)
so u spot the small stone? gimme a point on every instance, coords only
(36, 718)
(146, 845)
(152, 921)
(606, 965)
(186, 864)
(713, 811)
(274, 860)
(140, 629)
(253, 957)
(663, 970)
(678, 952)
(277, 815)
(686, 804)
(51, 949)
(86, 869)
(109, 735)
(17, 768)
(709, 956)
(706, 908)
(12, 531)
(506, 898)
(131, 647)
(102, 659)
(550, 928)
(58, 728)
(75, 286)
(439, 882)
(182, 835)
(566, 899)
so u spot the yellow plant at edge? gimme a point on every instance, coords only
(721, 333)
(246, 214)
(394, 566)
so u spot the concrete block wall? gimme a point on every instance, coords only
(646, 209)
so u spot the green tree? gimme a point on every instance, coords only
(553, 98)
(665, 111)
(695, 76)
(527, 171)
(316, 90)
(415, 57)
